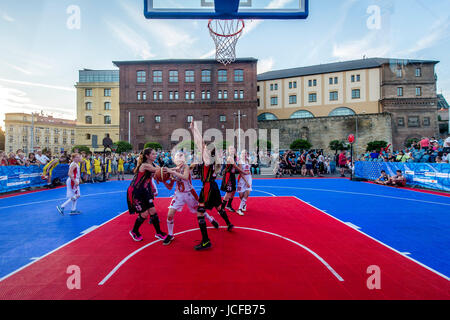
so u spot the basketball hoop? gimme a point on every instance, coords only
(226, 34)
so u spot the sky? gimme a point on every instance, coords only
(45, 42)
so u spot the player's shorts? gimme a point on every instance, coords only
(120, 168)
(228, 182)
(180, 199)
(72, 192)
(97, 169)
(309, 166)
(242, 187)
(210, 195)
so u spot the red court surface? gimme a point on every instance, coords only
(282, 249)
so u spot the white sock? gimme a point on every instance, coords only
(243, 201)
(207, 216)
(170, 227)
(66, 203)
(74, 205)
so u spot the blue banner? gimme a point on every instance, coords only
(426, 175)
(17, 177)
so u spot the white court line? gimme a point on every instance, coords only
(121, 263)
(358, 193)
(387, 246)
(49, 253)
(352, 225)
(60, 199)
(89, 230)
(271, 194)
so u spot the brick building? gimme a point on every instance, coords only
(159, 96)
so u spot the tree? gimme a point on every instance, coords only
(153, 145)
(300, 144)
(410, 141)
(265, 143)
(123, 146)
(81, 149)
(337, 145)
(376, 145)
(2, 139)
(185, 145)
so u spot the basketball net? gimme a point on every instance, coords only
(226, 34)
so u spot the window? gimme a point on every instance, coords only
(173, 76)
(157, 76)
(333, 96)
(88, 92)
(72, 132)
(141, 76)
(64, 140)
(206, 75)
(418, 91)
(401, 122)
(312, 97)
(301, 115)
(257, 88)
(309, 83)
(413, 121)
(353, 78)
(189, 76)
(208, 95)
(314, 82)
(176, 95)
(295, 84)
(271, 87)
(258, 102)
(356, 94)
(267, 116)
(88, 105)
(88, 120)
(241, 94)
(222, 76)
(155, 95)
(276, 86)
(141, 119)
(192, 95)
(426, 121)
(238, 75)
(186, 95)
(274, 101)
(418, 72)
(107, 105)
(56, 140)
(399, 73)
(219, 95)
(72, 141)
(225, 94)
(189, 119)
(336, 80)
(170, 95)
(107, 92)
(203, 95)
(358, 78)
(138, 95)
(293, 99)
(330, 81)
(160, 95)
(400, 91)
(107, 119)
(158, 119)
(342, 111)
(223, 118)
(46, 140)
(236, 94)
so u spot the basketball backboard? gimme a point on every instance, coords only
(226, 9)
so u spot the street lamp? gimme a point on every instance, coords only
(239, 115)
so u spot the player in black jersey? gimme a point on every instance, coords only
(210, 194)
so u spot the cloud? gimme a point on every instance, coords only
(6, 17)
(438, 31)
(134, 41)
(369, 46)
(37, 84)
(265, 65)
(19, 69)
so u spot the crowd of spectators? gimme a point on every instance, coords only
(427, 150)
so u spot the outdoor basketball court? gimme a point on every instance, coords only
(300, 239)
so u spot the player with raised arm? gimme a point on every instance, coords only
(244, 184)
(209, 195)
(184, 194)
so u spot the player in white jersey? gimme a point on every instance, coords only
(184, 194)
(244, 185)
(72, 185)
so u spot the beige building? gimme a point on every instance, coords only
(342, 88)
(29, 132)
(97, 107)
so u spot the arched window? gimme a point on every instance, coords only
(342, 111)
(267, 116)
(301, 114)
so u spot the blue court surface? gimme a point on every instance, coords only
(415, 224)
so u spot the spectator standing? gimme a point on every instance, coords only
(342, 162)
(41, 158)
(424, 143)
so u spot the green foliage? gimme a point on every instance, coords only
(376, 145)
(123, 146)
(153, 145)
(265, 143)
(81, 149)
(337, 145)
(185, 145)
(300, 144)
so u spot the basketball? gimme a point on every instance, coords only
(161, 176)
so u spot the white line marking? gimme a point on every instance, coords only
(271, 194)
(406, 253)
(89, 230)
(49, 253)
(34, 258)
(121, 263)
(352, 225)
(387, 246)
(357, 193)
